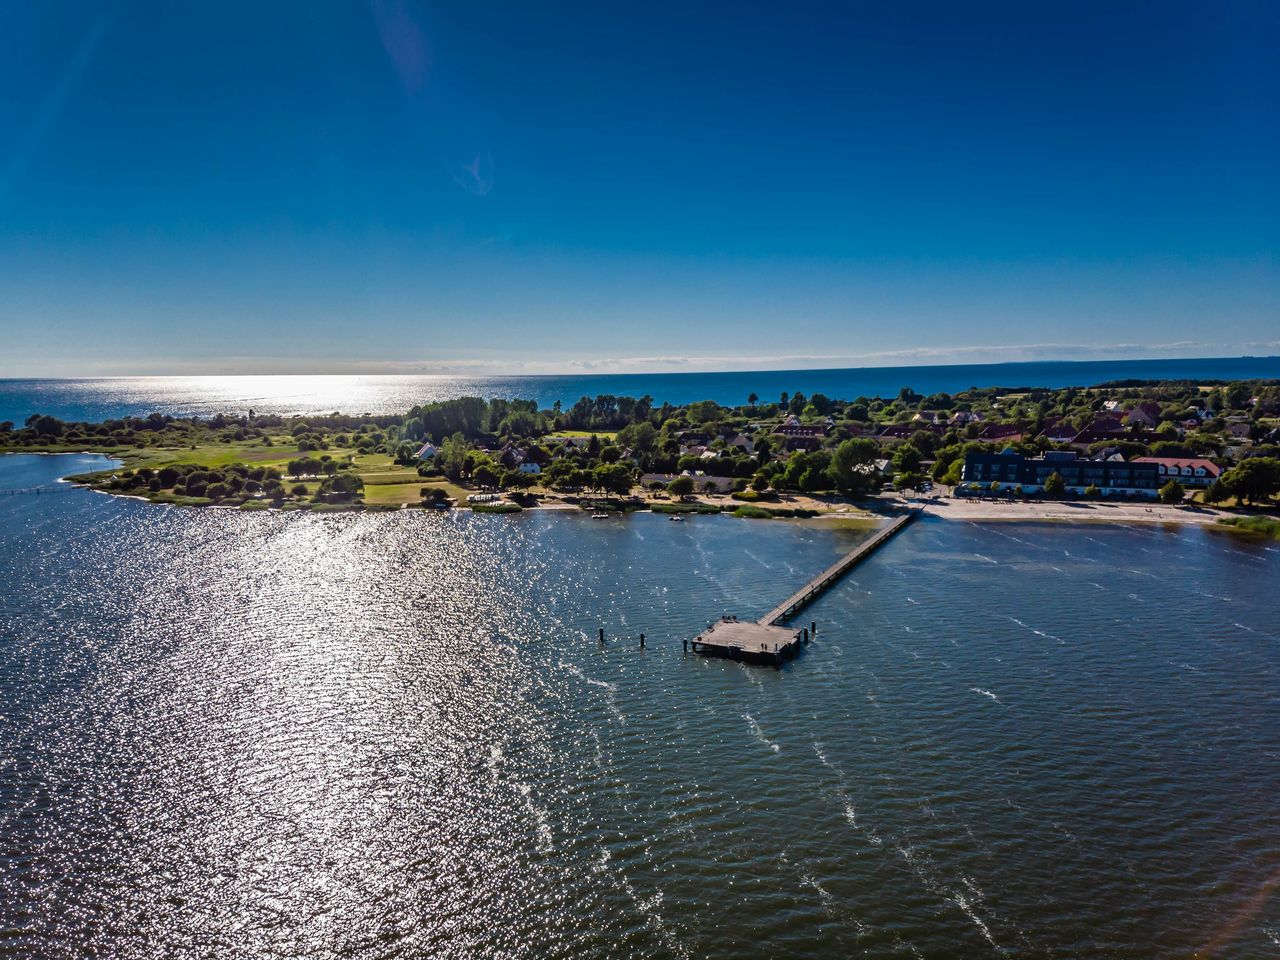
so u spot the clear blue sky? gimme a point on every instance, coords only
(328, 187)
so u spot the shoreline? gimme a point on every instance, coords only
(824, 509)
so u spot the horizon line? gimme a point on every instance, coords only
(464, 369)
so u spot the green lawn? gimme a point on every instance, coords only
(394, 494)
(604, 435)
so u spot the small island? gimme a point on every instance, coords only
(1173, 443)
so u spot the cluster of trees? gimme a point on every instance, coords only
(235, 481)
(238, 482)
(1254, 481)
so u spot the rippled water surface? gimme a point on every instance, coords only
(247, 735)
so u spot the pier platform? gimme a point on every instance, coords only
(747, 641)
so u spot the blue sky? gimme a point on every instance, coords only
(401, 187)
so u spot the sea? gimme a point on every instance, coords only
(100, 399)
(228, 734)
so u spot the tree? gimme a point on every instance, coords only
(846, 460)
(1217, 492)
(342, 488)
(1055, 486)
(1254, 480)
(640, 437)
(613, 477)
(907, 458)
(406, 453)
(298, 490)
(908, 481)
(752, 399)
(520, 423)
(451, 458)
(45, 426)
(760, 483)
(485, 475)
(1172, 492)
(1092, 492)
(681, 486)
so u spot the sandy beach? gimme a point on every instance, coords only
(985, 510)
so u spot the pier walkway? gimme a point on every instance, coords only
(764, 641)
(802, 597)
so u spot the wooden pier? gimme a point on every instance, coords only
(764, 641)
(748, 641)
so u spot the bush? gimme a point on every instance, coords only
(1172, 492)
(1267, 526)
(681, 486)
(684, 508)
(504, 506)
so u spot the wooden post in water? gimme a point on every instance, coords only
(686, 644)
(642, 641)
(805, 631)
(813, 628)
(602, 635)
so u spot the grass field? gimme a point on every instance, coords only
(395, 494)
(605, 435)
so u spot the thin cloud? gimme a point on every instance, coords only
(674, 363)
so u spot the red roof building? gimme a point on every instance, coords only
(1188, 471)
(1001, 433)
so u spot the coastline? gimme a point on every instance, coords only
(879, 510)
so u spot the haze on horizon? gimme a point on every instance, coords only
(395, 187)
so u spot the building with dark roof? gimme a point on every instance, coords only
(1113, 475)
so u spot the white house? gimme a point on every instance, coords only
(427, 451)
(1188, 471)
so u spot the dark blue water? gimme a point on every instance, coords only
(95, 400)
(279, 735)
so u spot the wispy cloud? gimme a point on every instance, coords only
(671, 363)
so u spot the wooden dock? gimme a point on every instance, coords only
(764, 641)
(802, 597)
(747, 641)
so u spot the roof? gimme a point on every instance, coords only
(1000, 431)
(1194, 463)
(801, 430)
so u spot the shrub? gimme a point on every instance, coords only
(504, 506)
(1172, 492)
(681, 486)
(1267, 526)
